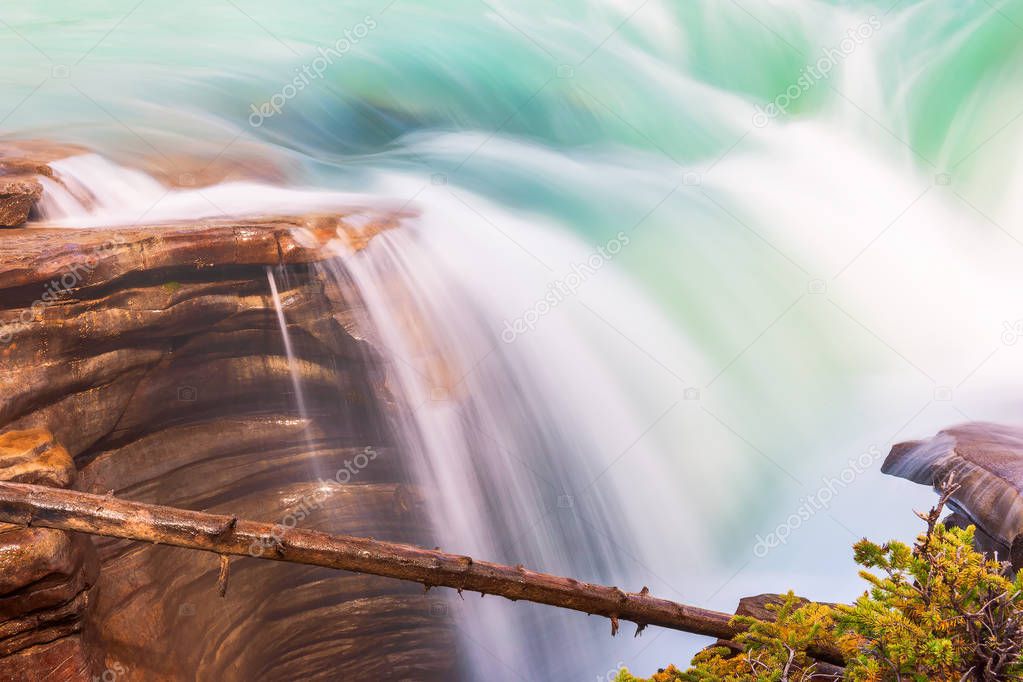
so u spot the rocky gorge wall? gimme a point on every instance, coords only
(155, 358)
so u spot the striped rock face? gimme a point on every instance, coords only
(155, 358)
(987, 460)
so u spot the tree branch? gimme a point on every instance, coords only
(70, 510)
(103, 515)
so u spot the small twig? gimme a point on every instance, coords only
(225, 568)
(946, 488)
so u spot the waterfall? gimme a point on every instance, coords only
(511, 436)
(528, 446)
(808, 275)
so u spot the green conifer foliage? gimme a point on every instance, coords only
(936, 611)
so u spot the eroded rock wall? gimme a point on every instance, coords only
(159, 363)
(47, 577)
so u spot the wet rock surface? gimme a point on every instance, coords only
(154, 356)
(46, 576)
(987, 460)
(22, 163)
(18, 194)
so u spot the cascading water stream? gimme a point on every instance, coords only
(502, 434)
(293, 370)
(296, 383)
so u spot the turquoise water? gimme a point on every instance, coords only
(843, 274)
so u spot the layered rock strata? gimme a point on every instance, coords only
(155, 357)
(46, 576)
(22, 163)
(987, 461)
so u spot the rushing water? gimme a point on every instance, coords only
(797, 289)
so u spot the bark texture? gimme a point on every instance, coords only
(35, 506)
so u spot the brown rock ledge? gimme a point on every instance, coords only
(46, 576)
(157, 361)
(18, 194)
(21, 163)
(987, 461)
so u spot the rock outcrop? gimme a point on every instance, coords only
(21, 164)
(987, 460)
(154, 355)
(46, 576)
(18, 194)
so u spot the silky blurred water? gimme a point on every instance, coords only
(798, 289)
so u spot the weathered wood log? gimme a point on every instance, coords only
(33, 505)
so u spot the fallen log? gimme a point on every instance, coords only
(33, 505)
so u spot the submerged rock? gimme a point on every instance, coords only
(987, 460)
